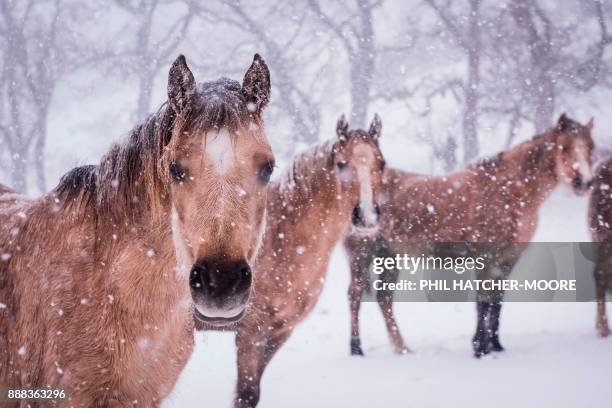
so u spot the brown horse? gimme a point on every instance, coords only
(494, 201)
(99, 278)
(600, 216)
(328, 188)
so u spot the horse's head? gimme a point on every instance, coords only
(359, 163)
(218, 163)
(574, 146)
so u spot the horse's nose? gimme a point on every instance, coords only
(361, 218)
(377, 212)
(214, 279)
(357, 216)
(581, 184)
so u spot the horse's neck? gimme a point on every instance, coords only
(316, 207)
(137, 260)
(530, 185)
(152, 249)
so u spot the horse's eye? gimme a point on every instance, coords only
(177, 173)
(341, 165)
(265, 172)
(382, 165)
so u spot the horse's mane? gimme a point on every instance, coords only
(533, 149)
(297, 177)
(131, 177)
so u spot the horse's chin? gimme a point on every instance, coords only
(365, 232)
(581, 191)
(218, 321)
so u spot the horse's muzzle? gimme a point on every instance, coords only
(365, 221)
(220, 290)
(581, 186)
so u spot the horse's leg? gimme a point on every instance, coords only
(480, 340)
(385, 301)
(603, 330)
(493, 331)
(355, 293)
(253, 357)
(497, 300)
(250, 367)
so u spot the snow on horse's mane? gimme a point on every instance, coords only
(304, 164)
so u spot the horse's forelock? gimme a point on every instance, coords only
(220, 104)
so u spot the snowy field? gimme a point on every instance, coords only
(553, 357)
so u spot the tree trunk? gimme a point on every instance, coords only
(545, 103)
(540, 45)
(470, 115)
(146, 74)
(19, 177)
(362, 64)
(39, 155)
(144, 94)
(360, 92)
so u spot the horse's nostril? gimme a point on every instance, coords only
(245, 273)
(377, 211)
(196, 278)
(220, 278)
(244, 278)
(357, 215)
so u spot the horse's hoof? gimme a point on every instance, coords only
(480, 345)
(402, 350)
(356, 347)
(603, 332)
(481, 352)
(244, 403)
(356, 351)
(495, 345)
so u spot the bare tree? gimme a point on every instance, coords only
(34, 55)
(153, 48)
(552, 63)
(357, 35)
(294, 99)
(465, 29)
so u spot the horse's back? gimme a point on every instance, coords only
(9, 196)
(11, 204)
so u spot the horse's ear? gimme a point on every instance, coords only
(375, 127)
(181, 85)
(590, 125)
(256, 85)
(342, 128)
(563, 122)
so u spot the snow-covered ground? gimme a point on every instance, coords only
(553, 356)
